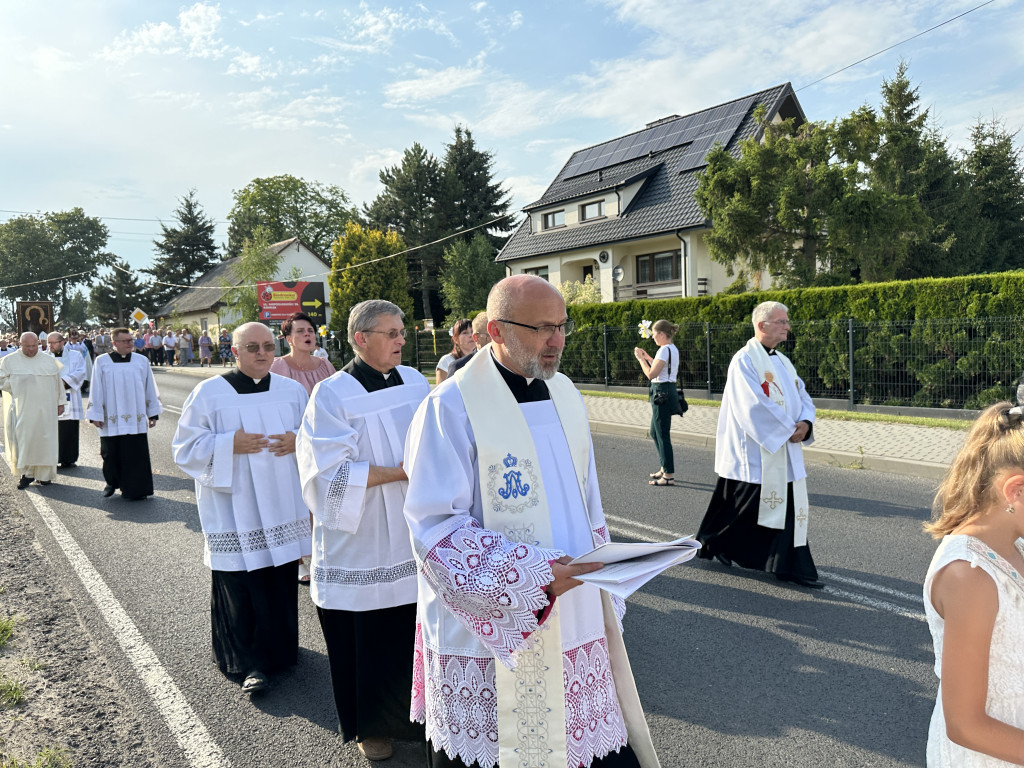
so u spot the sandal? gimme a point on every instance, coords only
(663, 481)
(657, 475)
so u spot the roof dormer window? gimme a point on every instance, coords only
(554, 219)
(591, 211)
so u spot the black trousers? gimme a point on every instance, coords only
(624, 758)
(126, 464)
(67, 441)
(371, 654)
(254, 619)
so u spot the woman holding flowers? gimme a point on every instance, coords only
(661, 371)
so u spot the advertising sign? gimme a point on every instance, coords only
(279, 300)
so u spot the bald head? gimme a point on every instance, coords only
(29, 344)
(508, 293)
(526, 321)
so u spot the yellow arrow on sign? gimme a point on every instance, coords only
(315, 303)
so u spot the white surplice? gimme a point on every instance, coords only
(362, 555)
(479, 590)
(749, 420)
(73, 375)
(123, 396)
(250, 505)
(84, 352)
(32, 390)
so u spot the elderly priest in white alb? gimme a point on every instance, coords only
(124, 405)
(236, 437)
(33, 399)
(517, 662)
(72, 377)
(758, 514)
(363, 577)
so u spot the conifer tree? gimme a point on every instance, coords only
(117, 295)
(185, 251)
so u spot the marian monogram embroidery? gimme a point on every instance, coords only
(511, 486)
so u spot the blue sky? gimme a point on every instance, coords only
(122, 107)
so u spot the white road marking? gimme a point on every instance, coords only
(200, 749)
(867, 600)
(171, 408)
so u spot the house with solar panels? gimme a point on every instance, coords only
(623, 211)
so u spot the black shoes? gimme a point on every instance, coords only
(802, 582)
(723, 560)
(25, 482)
(108, 490)
(254, 681)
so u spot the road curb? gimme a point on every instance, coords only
(845, 460)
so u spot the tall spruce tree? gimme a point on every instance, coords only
(409, 206)
(469, 194)
(996, 197)
(186, 251)
(117, 295)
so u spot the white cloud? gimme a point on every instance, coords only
(262, 17)
(515, 20)
(477, 7)
(430, 85)
(250, 65)
(195, 35)
(270, 109)
(49, 61)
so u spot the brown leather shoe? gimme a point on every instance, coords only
(376, 749)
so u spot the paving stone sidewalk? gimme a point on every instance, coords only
(886, 447)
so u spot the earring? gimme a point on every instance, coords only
(1009, 508)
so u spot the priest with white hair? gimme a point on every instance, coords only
(236, 438)
(363, 576)
(72, 378)
(33, 398)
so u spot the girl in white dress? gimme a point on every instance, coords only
(974, 598)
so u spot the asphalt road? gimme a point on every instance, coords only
(733, 668)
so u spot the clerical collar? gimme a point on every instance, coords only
(246, 385)
(769, 351)
(369, 377)
(117, 357)
(524, 390)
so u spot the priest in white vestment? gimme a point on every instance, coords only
(758, 514)
(236, 437)
(76, 342)
(363, 576)
(33, 399)
(72, 377)
(503, 492)
(124, 404)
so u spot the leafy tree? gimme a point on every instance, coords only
(256, 263)
(409, 205)
(286, 206)
(75, 310)
(56, 251)
(469, 196)
(996, 196)
(186, 251)
(117, 295)
(361, 270)
(575, 292)
(468, 274)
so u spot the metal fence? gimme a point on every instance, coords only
(949, 363)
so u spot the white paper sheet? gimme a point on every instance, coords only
(627, 567)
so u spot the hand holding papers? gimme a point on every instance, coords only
(627, 567)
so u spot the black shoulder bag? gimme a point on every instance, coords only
(664, 395)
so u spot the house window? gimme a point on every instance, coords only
(592, 211)
(657, 267)
(538, 271)
(588, 271)
(554, 219)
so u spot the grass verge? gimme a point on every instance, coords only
(48, 758)
(12, 692)
(7, 626)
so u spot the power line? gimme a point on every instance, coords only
(896, 45)
(105, 218)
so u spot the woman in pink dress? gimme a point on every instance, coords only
(304, 367)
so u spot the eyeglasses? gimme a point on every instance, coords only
(776, 322)
(547, 331)
(392, 334)
(253, 348)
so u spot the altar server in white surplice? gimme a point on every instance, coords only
(363, 577)
(236, 437)
(33, 399)
(124, 405)
(503, 492)
(758, 515)
(72, 376)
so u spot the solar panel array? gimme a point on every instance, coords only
(701, 131)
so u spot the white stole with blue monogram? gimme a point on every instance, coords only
(531, 697)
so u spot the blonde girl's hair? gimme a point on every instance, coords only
(995, 443)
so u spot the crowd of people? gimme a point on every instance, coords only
(436, 527)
